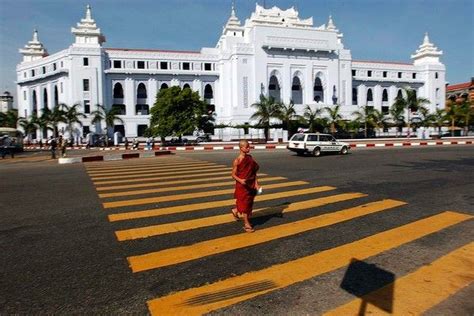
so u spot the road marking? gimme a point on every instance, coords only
(233, 290)
(154, 168)
(213, 204)
(157, 170)
(146, 162)
(181, 188)
(162, 183)
(187, 196)
(198, 175)
(199, 250)
(151, 174)
(155, 230)
(437, 281)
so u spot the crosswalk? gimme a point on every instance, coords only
(178, 195)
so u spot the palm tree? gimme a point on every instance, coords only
(9, 119)
(29, 126)
(109, 116)
(396, 112)
(312, 118)
(453, 113)
(335, 118)
(465, 112)
(72, 116)
(287, 113)
(267, 109)
(365, 115)
(438, 119)
(379, 120)
(411, 103)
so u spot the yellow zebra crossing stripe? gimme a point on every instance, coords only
(185, 176)
(155, 230)
(204, 299)
(187, 196)
(182, 254)
(212, 204)
(152, 174)
(163, 183)
(146, 162)
(417, 292)
(180, 188)
(153, 169)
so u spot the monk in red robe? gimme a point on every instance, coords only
(244, 171)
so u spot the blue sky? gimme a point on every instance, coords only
(387, 30)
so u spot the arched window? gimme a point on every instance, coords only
(384, 95)
(318, 92)
(186, 86)
(399, 94)
(370, 97)
(354, 96)
(208, 93)
(436, 75)
(164, 86)
(35, 100)
(296, 91)
(141, 91)
(56, 96)
(274, 89)
(45, 98)
(118, 91)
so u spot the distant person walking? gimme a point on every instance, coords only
(63, 145)
(53, 146)
(126, 143)
(244, 171)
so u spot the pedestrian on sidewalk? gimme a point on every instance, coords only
(63, 145)
(52, 146)
(244, 172)
(126, 143)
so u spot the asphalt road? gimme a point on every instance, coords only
(60, 253)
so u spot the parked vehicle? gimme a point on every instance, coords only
(316, 144)
(11, 138)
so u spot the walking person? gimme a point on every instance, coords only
(63, 145)
(126, 143)
(52, 146)
(244, 172)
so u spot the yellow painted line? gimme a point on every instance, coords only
(208, 205)
(162, 183)
(417, 292)
(154, 170)
(187, 196)
(146, 162)
(179, 188)
(198, 175)
(155, 230)
(204, 299)
(206, 248)
(151, 174)
(155, 167)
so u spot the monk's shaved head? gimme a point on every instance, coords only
(243, 143)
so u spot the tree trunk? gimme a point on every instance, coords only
(452, 127)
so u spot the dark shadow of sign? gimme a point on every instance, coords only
(362, 278)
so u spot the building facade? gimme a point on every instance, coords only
(463, 90)
(6, 102)
(275, 53)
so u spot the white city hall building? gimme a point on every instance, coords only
(274, 52)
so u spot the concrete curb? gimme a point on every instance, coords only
(113, 157)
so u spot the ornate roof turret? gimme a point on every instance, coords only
(427, 52)
(34, 49)
(233, 24)
(278, 17)
(332, 27)
(87, 32)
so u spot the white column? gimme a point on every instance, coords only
(285, 88)
(152, 90)
(129, 96)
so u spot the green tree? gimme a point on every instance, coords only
(313, 118)
(109, 116)
(266, 109)
(29, 125)
(72, 116)
(287, 113)
(411, 103)
(178, 112)
(9, 119)
(334, 117)
(380, 120)
(465, 113)
(438, 119)
(396, 113)
(366, 116)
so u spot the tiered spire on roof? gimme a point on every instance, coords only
(34, 49)
(233, 24)
(331, 26)
(427, 49)
(87, 31)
